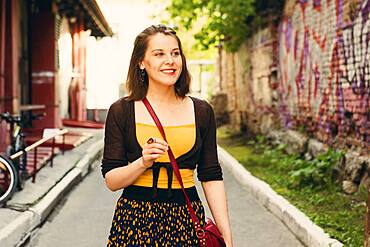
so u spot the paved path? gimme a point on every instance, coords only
(84, 218)
(252, 225)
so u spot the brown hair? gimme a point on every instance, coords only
(137, 89)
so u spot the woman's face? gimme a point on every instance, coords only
(162, 60)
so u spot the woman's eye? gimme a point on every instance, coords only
(159, 54)
(176, 53)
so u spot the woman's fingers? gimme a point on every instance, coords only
(160, 146)
(154, 151)
(162, 142)
(153, 157)
(154, 140)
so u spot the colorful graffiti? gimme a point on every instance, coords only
(324, 65)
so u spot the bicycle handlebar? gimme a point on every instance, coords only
(38, 116)
(19, 118)
(10, 118)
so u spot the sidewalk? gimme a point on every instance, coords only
(30, 207)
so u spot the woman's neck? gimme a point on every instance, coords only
(162, 95)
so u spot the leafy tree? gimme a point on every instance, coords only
(227, 21)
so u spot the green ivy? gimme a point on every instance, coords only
(224, 21)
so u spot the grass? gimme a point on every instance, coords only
(340, 215)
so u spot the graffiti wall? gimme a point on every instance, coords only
(324, 70)
(308, 71)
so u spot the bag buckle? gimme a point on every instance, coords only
(200, 233)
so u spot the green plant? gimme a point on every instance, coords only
(301, 128)
(260, 139)
(317, 172)
(339, 214)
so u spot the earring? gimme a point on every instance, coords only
(141, 76)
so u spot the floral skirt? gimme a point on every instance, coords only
(140, 220)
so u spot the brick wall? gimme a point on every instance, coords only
(310, 73)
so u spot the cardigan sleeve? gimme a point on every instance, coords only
(208, 166)
(114, 153)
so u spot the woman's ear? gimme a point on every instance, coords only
(141, 65)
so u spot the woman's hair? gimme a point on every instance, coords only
(136, 86)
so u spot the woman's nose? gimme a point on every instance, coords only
(169, 59)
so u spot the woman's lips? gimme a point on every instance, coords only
(168, 71)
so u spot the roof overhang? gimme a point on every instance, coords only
(89, 11)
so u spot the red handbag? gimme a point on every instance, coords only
(209, 235)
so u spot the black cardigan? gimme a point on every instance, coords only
(121, 145)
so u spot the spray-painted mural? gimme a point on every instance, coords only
(324, 66)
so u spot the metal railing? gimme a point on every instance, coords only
(34, 147)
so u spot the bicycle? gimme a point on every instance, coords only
(13, 172)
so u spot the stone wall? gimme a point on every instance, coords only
(249, 79)
(309, 73)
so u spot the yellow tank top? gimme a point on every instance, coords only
(181, 140)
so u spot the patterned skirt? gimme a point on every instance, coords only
(141, 220)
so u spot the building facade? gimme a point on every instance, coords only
(43, 58)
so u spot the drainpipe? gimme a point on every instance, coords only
(2, 52)
(3, 131)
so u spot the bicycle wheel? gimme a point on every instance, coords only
(8, 179)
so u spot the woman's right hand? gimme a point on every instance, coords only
(152, 151)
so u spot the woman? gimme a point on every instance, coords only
(152, 209)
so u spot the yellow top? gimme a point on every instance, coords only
(181, 139)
